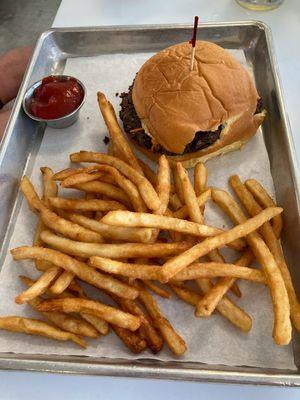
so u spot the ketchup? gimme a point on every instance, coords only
(55, 97)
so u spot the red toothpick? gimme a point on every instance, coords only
(193, 42)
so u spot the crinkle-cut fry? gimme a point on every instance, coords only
(39, 328)
(40, 286)
(159, 290)
(83, 271)
(80, 178)
(49, 186)
(212, 298)
(228, 309)
(110, 314)
(214, 270)
(116, 133)
(129, 188)
(62, 282)
(145, 188)
(189, 195)
(282, 325)
(146, 330)
(131, 340)
(68, 228)
(104, 188)
(264, 199)
(98, 323)
(110, 232)
(85, 205)
(200, 178)
(66, 322)
(33, 200)
(201, 200)
(178, 263)
(122, 250)
(136, 271)
(66, 173)
(266, 231)
(174, 341)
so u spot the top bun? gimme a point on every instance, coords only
(173, 103)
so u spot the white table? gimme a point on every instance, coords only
(285, 24)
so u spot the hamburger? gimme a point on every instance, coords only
(191, 116)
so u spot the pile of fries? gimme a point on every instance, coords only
(134, 234)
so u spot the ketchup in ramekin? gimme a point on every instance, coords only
(55, 97)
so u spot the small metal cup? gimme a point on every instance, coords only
(62, 122)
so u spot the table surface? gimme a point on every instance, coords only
(285, 25)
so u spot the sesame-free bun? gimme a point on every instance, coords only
(173, 103)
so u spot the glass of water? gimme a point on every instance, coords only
(260, 5)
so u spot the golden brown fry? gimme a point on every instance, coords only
(99, 324)
(214, 270)
(185, 293)
(110, 314)
(40, 328)
(122, 250)
(85, 205)
(136, 271)
(34, 202)
(106, 189)
(37, 241)
(201, 200)
(144, 186)
(174, 341)
(63, 282)
(211, 299)
(68, 228)
(200, 178)
(116, 133)
(265, 200)
(227, 309)
(40, 286)
(269, 237)
(177, 184)
(163, 187)
(81, 178)
(282, 324)
(159, 290)
(50, 187)
(112, 232)
(176, 264)
(66, 173)
(78, 268)
(147, 331)
(149, 174)
(132, 340)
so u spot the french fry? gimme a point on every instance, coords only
(40, 286)
(136, 271)
(85, 205)
(144, 186)
(147, 331)
(201, 200)
(50, 187)
(63, 282)
(106, 189)
(40, 265)
(265, 200)
(160, 291)
(108, 313)
(200, 178)
(99, 324)
(177, 184)
(80, 178)
(174, 341)
(132, 340)
(122, 250)
(282, 324)
(40, 328)
(66, 173)
(116, 133)
(212, 298)
(68, 228)
(269, 237)
(33, 200)
(176, 264)
(185, 293)
(163, 187)
(78, 268)
(227, 309)
(110, 232)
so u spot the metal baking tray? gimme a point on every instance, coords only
(23, 137)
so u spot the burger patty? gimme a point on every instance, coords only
(133, 127)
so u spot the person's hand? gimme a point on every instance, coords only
(12, 67)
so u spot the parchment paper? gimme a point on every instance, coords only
(211, 340)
